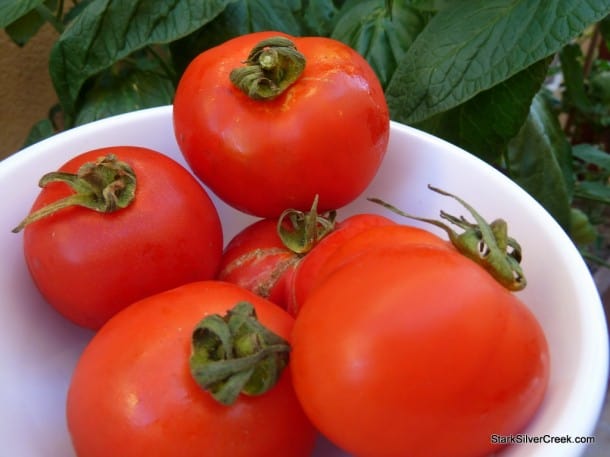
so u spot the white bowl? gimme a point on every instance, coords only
(38, 348)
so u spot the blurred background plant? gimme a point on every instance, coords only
(523, 85)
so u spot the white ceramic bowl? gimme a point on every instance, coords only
(38, 348)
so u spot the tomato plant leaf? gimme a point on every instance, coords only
(431, 5)
(24, 28)
(473, 45)
(10, 11)
(380, 35)
(539, 160)
(238, 18)
(245, 16)
(39, 131)
(486, 123)
(590, 153)
(318, 16)
(115, 92)
(109, 30)
(593, 190)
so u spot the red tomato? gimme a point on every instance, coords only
(308, 270)
(89, 265)
(325, 134)
(257, 259)
(429, 356)
(132, 392)
(375, 237)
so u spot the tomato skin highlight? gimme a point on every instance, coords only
(132, 389)
(89, 265)
(326, 134)
(429, 356)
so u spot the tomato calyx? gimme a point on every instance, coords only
(487, 244)
(301, 231)
(235, 354)
(271, 67)
(105, 185)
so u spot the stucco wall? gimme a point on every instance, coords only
(26, 92)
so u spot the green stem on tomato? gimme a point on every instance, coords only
(271, 67)
(235, 354)
(306, 229)
(488, 244)
(105, 185)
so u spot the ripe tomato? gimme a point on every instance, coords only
(257, 259)
(89, 264)
(429, 356)
(325, 134)
(314, 270)
(132, 391)
(308, 270)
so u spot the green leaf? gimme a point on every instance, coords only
(245, 16)
(487, 122)
(75, 10)
(239, 18)
(12, 10)
(109, 30)
(39, 131)
(317, 17)
(593, 190)
(539, 160)
(28, 25)
(473, 45)
(121, 89)
(380, 35)
(24, 28)
(593, 155)
(431, 5)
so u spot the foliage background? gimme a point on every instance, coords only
(508, 80)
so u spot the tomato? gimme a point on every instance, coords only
(89, 264)
(258, 260)
(132, 391)
(314, 271)
(429, 356)
(325, 134)
(308, 270)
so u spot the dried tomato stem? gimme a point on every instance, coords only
(105, 186)
(271, 67)
(235, 354)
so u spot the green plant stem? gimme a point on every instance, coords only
(50, 17)
(60, 10)
(588, 63)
